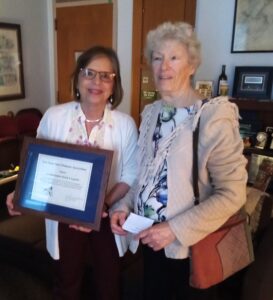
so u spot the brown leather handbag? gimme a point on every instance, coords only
(223, 252)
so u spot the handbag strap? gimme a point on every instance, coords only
(195, 138)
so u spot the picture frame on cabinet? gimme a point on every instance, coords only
(252, 82)
(11, 62)
(204, 88)
(251, 30)
(255, 162)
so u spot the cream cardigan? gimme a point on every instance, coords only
(120, 136)
(222, 173)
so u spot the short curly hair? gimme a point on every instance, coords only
(181, 32)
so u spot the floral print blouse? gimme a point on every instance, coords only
(77, 131)
(153, 196)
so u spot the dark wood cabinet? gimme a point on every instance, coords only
(257, 116)
(263, 110)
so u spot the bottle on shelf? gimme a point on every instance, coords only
(222, 88)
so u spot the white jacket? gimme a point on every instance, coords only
(121, 137)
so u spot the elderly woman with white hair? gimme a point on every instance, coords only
(164, 191)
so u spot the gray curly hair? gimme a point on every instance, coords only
(180, 32)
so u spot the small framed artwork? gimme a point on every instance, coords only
(11, 63)
(252, 82)
(63, 182)
(204, 88)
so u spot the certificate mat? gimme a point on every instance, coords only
(63, 182)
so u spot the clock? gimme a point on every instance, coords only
(261, 139)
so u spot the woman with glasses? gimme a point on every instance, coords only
(91, 120)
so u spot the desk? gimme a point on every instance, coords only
(8, 179)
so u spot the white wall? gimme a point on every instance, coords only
(124, 49)
(32, 16)
(214, 24)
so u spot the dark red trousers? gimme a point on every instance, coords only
(75, 247)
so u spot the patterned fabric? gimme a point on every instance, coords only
(220, 152)
(77, 131)
(153, 196)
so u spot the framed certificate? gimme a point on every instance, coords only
(63, 182)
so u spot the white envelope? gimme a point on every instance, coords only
(135, 223)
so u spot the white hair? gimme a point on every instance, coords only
(180, 32)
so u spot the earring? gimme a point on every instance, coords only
(111, 100)
(78, 95)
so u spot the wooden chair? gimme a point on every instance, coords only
(8, 127)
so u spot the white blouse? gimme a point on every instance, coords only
(117, 131)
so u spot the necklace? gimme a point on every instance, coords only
(92, 121)
(168, 112)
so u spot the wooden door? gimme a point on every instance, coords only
(79, 28)
(147, 15)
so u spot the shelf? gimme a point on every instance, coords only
(259, 111)
(249, 104)
(253, 150)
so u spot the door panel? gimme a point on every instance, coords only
(79, 28)
(156, 12)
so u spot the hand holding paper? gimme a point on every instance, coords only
(135, 223)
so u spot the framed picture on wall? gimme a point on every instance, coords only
(252, 82)
(11, 63)
(252, 26)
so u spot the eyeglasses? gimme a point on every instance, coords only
(91, 74)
